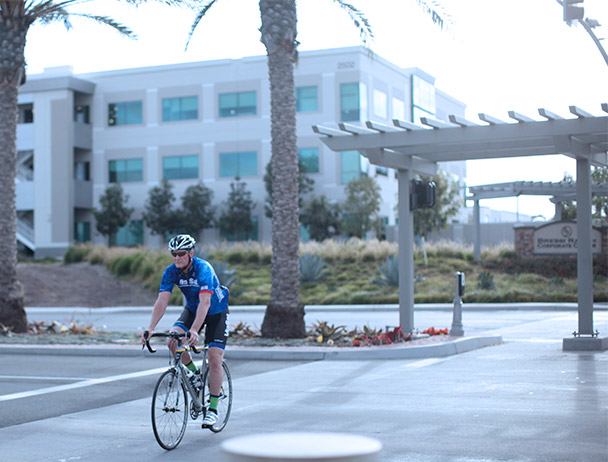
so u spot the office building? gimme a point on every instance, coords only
(196, 122)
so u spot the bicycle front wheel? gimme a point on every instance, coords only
(225, 401)
(169, 410)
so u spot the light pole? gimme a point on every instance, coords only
(577, 13)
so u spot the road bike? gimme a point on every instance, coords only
(170, 404)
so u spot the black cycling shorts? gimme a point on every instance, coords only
(217, 327)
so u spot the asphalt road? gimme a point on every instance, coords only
(525, 400)
(41, 387)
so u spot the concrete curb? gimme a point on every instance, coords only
(545, 306)
(435, 350)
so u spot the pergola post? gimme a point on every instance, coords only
(476, 231)
(584, 249)
(406, 253)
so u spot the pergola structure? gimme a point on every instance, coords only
(561, 191)
(411, 148)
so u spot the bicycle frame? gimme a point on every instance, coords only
(181, 370)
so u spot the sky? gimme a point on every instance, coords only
(495, 56)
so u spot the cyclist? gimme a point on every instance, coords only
(206, 305)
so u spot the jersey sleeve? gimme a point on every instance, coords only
(206, 279)
(167, 281)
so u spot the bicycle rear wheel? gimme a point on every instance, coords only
(225, 402)
(169, 410)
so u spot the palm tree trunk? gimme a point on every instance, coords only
(284, 315)
(12, 47)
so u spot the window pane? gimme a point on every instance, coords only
(306, 99)
(130, 235)
(183, 108)
(350, 166)
(229, 165)
(349, 102)
(423, 98)
(309, 158)
(180, 167)
(125, 170)
(125, 113)
(82, 231)
(248, 164)
(398, 109)
(236, 104)
(241, 164)
(380, 104)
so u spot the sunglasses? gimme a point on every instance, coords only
(179, 253)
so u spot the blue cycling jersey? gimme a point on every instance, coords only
(201, 277)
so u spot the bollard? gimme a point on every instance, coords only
(457, 329)
(300, 447)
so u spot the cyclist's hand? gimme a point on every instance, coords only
(146, 335)
(193, 340)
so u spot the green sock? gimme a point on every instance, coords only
(192, 366)
(213, 402)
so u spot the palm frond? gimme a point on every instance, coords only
(359, 20)
(436, 12)
(198, 18)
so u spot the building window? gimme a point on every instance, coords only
(423, 99)
(234, 237)
(81, 114)
(309, 158)
(26, 114)
(125, 113)
(353, 101)
(380, 104)
(183, 108)
(82, 231)
(82, 171)
(238, 164)
(238, 104)
(306, 99)
(180, 167)
(130, 235)
(353, 166)
(398, 109)
(382, 171)
(126, 170)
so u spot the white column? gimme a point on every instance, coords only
(584, 251)
(476, 231)
(406, 254)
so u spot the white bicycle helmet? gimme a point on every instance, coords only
(182, 242)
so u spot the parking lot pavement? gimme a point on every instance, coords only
(524, 400)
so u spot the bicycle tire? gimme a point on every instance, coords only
(225, 402)
(169, 410)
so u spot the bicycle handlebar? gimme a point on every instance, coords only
(174, 335)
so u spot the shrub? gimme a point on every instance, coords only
(485, 281)
(121, 266)
(312, 268)
(389, 272)
(76, 253)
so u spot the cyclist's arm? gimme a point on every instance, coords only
(201, 314)
(160, 307)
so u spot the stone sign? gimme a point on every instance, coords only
(560, 238)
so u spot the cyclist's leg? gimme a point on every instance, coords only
(182, 325)
(216, 372)
(216, 337)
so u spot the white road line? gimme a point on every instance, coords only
(84, 383)
(43, 379)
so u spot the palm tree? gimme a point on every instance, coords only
(16, 17)
(284, 315)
